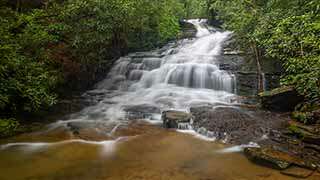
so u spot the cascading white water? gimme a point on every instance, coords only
(176, 76)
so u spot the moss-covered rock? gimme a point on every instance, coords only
(281, 99)
(308, 113)
(276, 159)
(303, 117)
(308, 134)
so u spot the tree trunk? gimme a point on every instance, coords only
(18, 5)
(259, 70)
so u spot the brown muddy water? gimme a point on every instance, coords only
(145, 152)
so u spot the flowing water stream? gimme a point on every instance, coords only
(108, 140)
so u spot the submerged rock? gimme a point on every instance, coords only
(276, 159)
(171, 119)
(297, 172)
(280, 99)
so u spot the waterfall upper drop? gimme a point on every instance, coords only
(192, 65)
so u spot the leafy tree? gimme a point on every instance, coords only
(88, 32)
(26, 80)
(287, 30)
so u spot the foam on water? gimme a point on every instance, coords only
(197, 135)
(239, 148)
(107, 147)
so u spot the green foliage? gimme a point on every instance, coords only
(303, 117)
(88, 32)
(296, 42)
(296, 131)
(276, 91)
(8, 127)
(95, 30)
(196, 8)
(287, 30)
(26, 80)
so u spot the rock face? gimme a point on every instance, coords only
(171, 119)
(280, 99)
(276, 159)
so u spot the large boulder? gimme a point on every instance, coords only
(236, 125)
(280, 99)
(276, 159)
(171, 119)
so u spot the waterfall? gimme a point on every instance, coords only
(176, 76)
(193, 66)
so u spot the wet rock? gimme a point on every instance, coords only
(297, 172)
(316, 115)
(142, 108)
(313, 146)
(262, 157)
(312, 139)
(141, 111)
(67, 106)
(225, 67)
(308, 134)
(276, 159)
(171, 119)
(247, 83)
(188, 30)
(233, 123)
(90, 130)
(151, 63)
(313, 129)
(280, 99)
